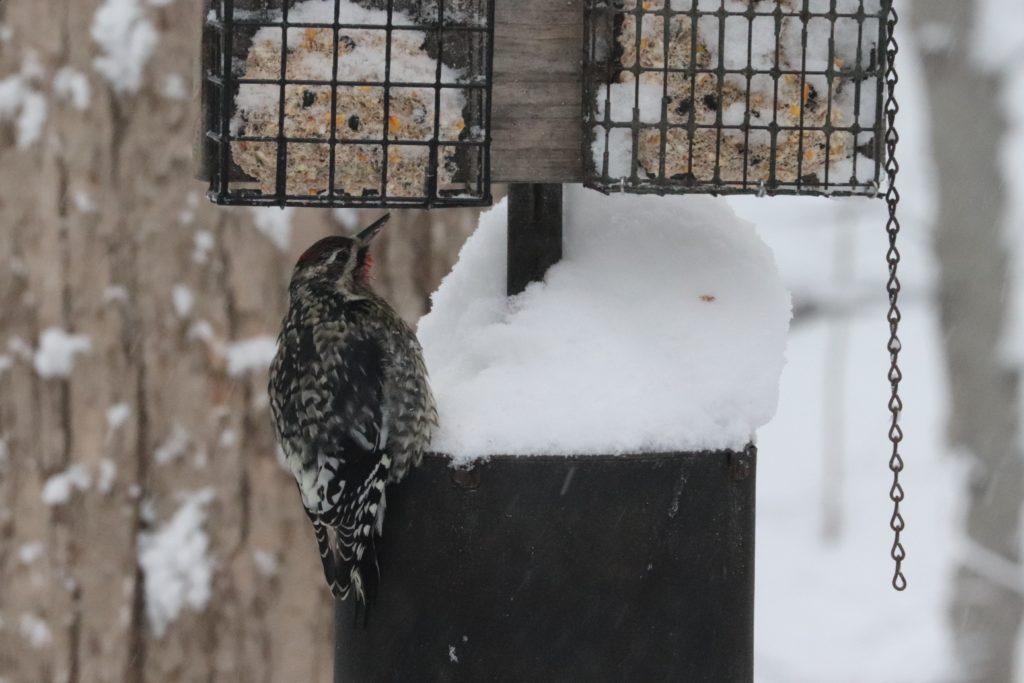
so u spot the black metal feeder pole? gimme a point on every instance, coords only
(534, 232)
(552, 568)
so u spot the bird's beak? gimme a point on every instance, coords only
(366, 236)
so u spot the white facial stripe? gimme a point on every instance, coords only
(348, 273)
(353, 259)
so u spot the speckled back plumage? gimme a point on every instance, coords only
(351, 405)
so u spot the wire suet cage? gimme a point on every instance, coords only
(735, 96)
(337, 103)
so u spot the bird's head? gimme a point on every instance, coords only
(343, 263)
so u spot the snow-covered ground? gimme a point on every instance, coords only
(825, 610)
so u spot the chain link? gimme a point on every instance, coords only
(892, 257)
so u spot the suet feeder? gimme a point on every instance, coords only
(735, 96)
(345, 104)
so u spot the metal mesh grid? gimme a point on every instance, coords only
(369, 103)
(764, 97)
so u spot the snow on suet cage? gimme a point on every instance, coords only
(735, 96)
(341, 103)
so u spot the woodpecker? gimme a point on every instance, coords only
(351, 404)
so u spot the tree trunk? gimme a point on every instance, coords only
(968, 130)
(103, 233)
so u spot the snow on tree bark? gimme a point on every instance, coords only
(100, 221)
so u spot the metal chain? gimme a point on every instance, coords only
(892, 257)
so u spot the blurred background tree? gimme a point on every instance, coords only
(109, 244)
(966, 90)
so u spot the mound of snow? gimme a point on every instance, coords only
(662, 329)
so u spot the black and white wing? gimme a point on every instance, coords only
(339, 460)
(353, 462)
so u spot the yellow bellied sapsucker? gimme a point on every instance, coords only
(351, 404)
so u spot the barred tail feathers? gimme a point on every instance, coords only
(328, 558)
(355, 536)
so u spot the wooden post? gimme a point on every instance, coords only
(537, 118)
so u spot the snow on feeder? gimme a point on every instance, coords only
(735, 96)
(336, 103)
